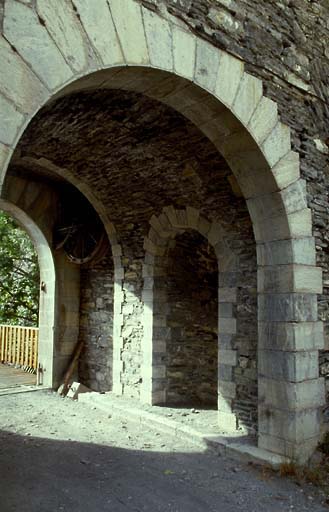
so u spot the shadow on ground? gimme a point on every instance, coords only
(45, 475)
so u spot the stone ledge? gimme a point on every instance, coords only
(241, 449)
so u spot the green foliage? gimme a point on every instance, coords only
(19, 276)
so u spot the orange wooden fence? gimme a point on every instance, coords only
(19, 345)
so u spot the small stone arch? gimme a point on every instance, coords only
(47, 302)
(165, 227)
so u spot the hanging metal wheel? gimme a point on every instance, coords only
(79, 231)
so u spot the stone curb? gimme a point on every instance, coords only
(22, 389)
(216, 444)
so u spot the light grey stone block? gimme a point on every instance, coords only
(184, 52)
(282, 252)
(23, 29)
(98, 24)
(290, 278)
(247, 98)
(18, 82)
(206, 66)
(288, 366)
(128, 22)
(263, 119)
(289, 396)
(294, 427)
(228, 357)
(277, 144)
(293, 307)
(287, 170)
(159, 40)
(225, 310)
(227, 325)
(10, 121)
(293, 225)
(289, 200)
(63, 25)
(290, 336)
(298, 452)
(230, 71)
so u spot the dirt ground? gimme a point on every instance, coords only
(61, 455)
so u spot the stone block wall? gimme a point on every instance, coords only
(96, 324)
(192, 297)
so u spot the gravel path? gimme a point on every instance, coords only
(60, 455)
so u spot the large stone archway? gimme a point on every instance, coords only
(55, 49)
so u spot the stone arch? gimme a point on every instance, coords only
(47, 303)
(140, 50)
(164, 228)
(116, 255)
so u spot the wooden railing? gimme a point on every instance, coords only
(19, 345)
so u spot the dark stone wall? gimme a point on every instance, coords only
(96, 324)
(192, 291)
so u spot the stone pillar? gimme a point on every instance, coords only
(290, 336)
(227, 355)
(156, 333)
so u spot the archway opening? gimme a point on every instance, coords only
(19, 305)
(228, 106)
(136, 156)
(192, 346)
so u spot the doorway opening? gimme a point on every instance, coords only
(19, 305)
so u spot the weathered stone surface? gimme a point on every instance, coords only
(159, 40)
(277, 144)
(289, 200)
(63, 25)
(206, 65)
(294, 427)
(230, 72)
(127, 18)
(11, 121)
(263, 119)
(289, 366)
(282, 252)
(293, 225)
(248, 96)
(290, 278)
(184, 52)
(287, 396)
(293, 307)
(31, 39)
(286, 171)
(291, 336)
(4, 155)
(98, 24)
(17, 81)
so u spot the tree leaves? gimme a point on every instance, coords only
(19, 275)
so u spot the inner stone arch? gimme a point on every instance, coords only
(171, 311)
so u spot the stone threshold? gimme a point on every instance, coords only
(21, 389)
(240, 447)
